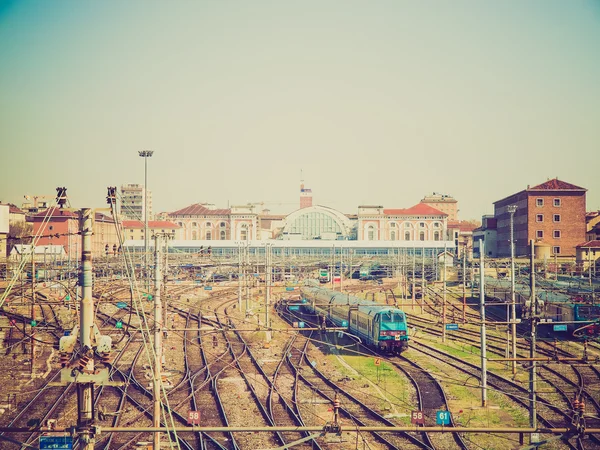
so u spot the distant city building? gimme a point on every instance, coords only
(487, 232)
(444, 203)
(134, 229)
(305, 197)
(461, 232)
(36, 203)
(41, 253)
(417, 223)
(4, 228)
(133, 202)
(592, 221)
(201, 223)
(588, 255)
(270, 226)
(61, 227)
(551, 213)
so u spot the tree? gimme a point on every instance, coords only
(19, 233)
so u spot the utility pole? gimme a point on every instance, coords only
(413, 295)
(512, 209)
(464, 284)
(85, 390)
(483, 336)
(239, 255)
(422, 278)
(246, 268)
(268, 273)
(157, 340)
(332, 267)
(32, 305)
(532, 370)
(341, 269)
(444, 299)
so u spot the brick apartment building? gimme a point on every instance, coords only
(552, 212)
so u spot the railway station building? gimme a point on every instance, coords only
(551, 213)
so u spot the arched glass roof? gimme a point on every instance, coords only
(316, 222)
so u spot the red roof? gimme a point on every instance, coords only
(129, 224)
(462, 225)
(556, 185)
(12, 209)
(420, 209)
(55, 212)
(589, 244)
(200, 210)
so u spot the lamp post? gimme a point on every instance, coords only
(146, 154)
(511, 210)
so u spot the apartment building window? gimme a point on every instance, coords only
(407, 236)
(539, 234)
(422, 236)
(557, 217)
(557, 202)
(393, 235)
(539, 218)
(539, 202)
(556, 250)
(556, 234)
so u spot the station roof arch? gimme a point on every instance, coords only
(317, 222)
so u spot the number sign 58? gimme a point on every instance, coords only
(417, 418)
(193, 417)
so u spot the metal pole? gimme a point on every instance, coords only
(332, 267)
(268, 273)
(483, 336)
(239, 277)
(444, 299)
(590, 264)
(422, 278)
(511, 210)
(533, 367)
(32, 306)
(464, 280)
(85, 391)
(413, 296)
(157, 340)
(341, 269)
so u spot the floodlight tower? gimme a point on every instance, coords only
(146, 154)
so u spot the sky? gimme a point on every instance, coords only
(376, 102)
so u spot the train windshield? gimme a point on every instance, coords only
(393, 317)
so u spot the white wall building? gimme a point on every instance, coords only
(133, 202)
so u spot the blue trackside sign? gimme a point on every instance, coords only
(560, 327)
(451, 326)
(442, 417)
(289, 288)
(208, 288)
(56, 442)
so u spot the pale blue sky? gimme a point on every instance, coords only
(379, 102)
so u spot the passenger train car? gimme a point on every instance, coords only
(378, 326)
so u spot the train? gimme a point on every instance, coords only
(577, 315)
(381, 327)
(324, 276)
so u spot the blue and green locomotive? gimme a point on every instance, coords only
(379, 326)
